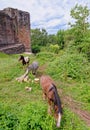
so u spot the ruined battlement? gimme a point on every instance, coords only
(15, 29)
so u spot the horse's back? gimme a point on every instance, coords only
(35, 65)
(46, 82)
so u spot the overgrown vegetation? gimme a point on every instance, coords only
(23, 110)
(67, 60)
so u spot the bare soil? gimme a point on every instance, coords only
(75, 107)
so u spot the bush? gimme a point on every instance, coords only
(85, 48)
(35, 49)
(46, 57)
(54, 48)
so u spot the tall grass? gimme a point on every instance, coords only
(23, 110)
(73, 66)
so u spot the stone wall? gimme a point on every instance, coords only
(15, 28)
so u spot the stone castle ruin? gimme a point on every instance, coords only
(14, 31)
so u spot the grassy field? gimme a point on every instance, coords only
(23, 110)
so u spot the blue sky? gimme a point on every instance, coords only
(52, 15)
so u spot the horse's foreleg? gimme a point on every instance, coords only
(44, 96)
(34, 71)
(49, 107)
(26, 73)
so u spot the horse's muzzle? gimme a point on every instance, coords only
(58, 120)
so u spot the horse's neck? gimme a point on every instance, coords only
(23, 61)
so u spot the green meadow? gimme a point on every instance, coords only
(24, 110)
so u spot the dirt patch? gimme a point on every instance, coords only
(75, 107)
(41, 70)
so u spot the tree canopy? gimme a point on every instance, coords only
(80, 15)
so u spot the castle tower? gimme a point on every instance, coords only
(16, 24)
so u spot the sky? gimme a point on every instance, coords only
(52, 15)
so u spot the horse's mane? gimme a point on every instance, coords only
(57, 100)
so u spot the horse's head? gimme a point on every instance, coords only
(58, 115)
(21, 57)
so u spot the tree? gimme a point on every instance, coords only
(60, 38)
(80, 14)
(38, 37)
(51, 39)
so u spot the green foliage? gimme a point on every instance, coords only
(8, 120)
(85, 48)
(74, 66)
(36, 119)
(51, 39)
(82, 93)
(3, 55)
(54, 48)
(38, 37)
(23, 110)
(60, 38)
(80, 14)
(35, 49)
(45, 57)
(29, 119)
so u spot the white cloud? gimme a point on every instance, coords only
(49, 14)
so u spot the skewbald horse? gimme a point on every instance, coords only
(25, 60)
(50, 93)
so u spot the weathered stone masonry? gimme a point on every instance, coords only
(14, 31)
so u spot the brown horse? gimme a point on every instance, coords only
(50, 93)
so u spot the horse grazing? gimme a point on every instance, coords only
(25, 60)
(32, 67)
(50, 93)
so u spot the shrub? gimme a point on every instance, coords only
(46, 57)
(54, 48)
(35, 49)
(85, 48)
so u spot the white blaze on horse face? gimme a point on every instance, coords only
(59, 120)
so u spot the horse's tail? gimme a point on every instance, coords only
(57, 102)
